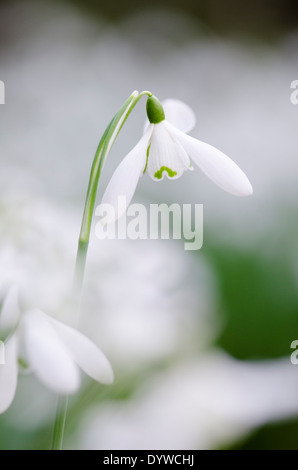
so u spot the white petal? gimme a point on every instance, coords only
(215, 164)
(8, 374)
(85, 353)
(125, 179)
(10, 312)
(179, 114)
(48, 356)
(166, 157)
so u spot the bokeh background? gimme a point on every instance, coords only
(199, 341)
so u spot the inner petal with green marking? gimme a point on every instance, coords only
(165, 155)
(170, 172)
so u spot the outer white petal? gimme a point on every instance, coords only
(48, 356)
(179, 114)
(85, 353)
(125, 179)
(10, 312)
(9, 374)
(166, 156)
(215, 164)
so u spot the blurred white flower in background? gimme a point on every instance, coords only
(167, 299)
(156, 282)
(205, 403)
(167, 303)
(37, 249)
(50, 348)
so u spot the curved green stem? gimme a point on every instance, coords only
(60, 423)
(101, 154)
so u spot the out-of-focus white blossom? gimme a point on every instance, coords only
(52, 350)
(202, 403)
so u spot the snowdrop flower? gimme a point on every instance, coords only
(51, 349)
(165, 150)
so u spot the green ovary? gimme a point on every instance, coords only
(170, 172)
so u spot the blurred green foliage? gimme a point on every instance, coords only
(280, 436)
(260, 301)
(261, 18)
